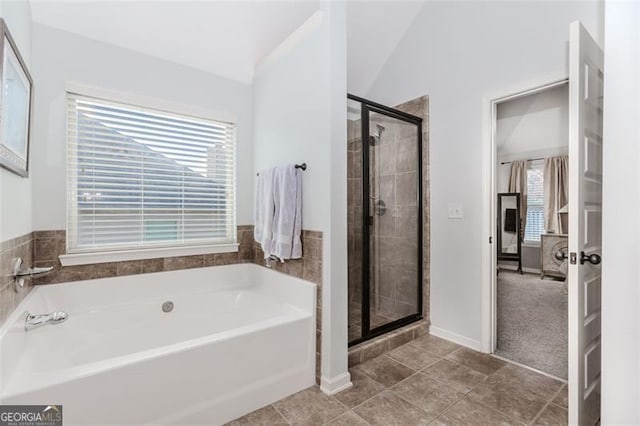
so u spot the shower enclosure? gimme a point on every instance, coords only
(384, 218)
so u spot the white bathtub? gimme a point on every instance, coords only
(239, 337)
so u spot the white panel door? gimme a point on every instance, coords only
(585, 224)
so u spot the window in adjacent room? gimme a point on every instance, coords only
(535, 202)
(140, 178)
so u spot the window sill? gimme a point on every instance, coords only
(75, 259)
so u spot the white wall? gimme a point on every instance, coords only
(536, 122)
(621, 216)
(533, 126)
(15, 191)
(291, 109)
(459, 53)
(300, 116)
(59, 56)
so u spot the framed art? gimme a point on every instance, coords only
(15, 105)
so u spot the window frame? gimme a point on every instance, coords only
(99, 255)
(534, 164)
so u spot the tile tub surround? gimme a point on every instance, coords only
(452, 385)
(48, 245)
(10, 250)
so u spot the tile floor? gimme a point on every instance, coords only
(427, 381)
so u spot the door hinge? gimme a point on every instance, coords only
(573, 258)
(490, 240)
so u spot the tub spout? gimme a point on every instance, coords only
(35, 321)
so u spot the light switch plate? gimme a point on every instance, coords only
(456, 211)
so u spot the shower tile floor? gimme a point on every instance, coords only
(376, 320)
(427, 381)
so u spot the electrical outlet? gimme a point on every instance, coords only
(456, 211)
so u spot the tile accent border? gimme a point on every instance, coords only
(387, 342)
(9, 250)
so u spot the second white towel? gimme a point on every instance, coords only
(287, 221)
(278, 212)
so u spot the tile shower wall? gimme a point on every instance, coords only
(10, 250)
(354, 225)
(394, 243)
(420, 108)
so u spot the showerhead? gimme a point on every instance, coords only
(375, 137)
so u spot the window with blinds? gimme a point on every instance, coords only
(535, 202)
(141, 178)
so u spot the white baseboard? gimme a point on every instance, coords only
(456, 338)
(515, 268)
(337, 384)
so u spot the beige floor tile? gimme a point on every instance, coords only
(309, 406)
(517, 403)
(518, 377)
(456, 376)
(562, 398)
(413, 357)
(363, 388)
(483, 363)
(435, 345)
(348, 419)
(384, 370)
(389, 409)
(427, 394)
(264, 416)
(552, 415)
(467, 412)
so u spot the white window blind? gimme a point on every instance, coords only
(535, 202)
(144, 178)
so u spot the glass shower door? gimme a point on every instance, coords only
(393, 219)
(385, 219)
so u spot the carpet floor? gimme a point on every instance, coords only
(532, 322)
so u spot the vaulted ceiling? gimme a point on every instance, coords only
(227, 37)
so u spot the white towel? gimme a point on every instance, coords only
(264, 211)
(287, 222)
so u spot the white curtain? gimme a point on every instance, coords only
(556, 192)
(518, 183)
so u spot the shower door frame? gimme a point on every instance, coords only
(367, 106)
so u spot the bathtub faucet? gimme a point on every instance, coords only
(35, 321)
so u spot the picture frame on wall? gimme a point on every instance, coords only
(15, 105)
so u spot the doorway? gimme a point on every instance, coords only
(385, 221)
(584, 216)
(530, 197)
